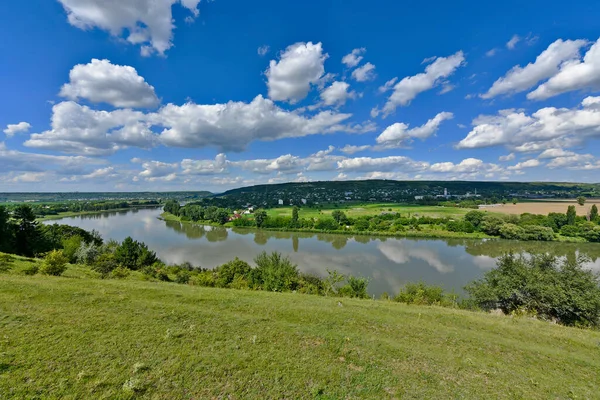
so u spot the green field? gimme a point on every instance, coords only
(356, 210)
(77, 336)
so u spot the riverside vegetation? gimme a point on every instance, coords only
(475, 223)
(132, 334)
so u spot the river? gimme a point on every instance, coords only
(388, 262)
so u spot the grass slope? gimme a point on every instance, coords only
(360, 209)
(78, 337)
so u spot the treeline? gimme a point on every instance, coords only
(21, 234)
(516, 227)
(42, 210)
(196, 212)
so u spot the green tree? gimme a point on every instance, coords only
(581, 200)
(28, 239)
(514, 200)
(55, 263)
(294, 216)
(6, 231)
(339, 216)
(172, 207)
(571, 215)
(260, 216)
(70, 246)
(594, 213)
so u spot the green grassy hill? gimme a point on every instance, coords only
(77, 336)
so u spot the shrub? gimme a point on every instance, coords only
(274, 273)
(569, 230)
(55, 263)
(87, 253)
(119, 273)
(105, 264)
(356, 287)
(203, 278)
(474, 217)
(491, 225)
(327, 224)
(226, 273)
(70, 246)
(421, 294)
(542, 286)
(182, 277)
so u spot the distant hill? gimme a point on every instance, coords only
(80, 196)
(388, 190)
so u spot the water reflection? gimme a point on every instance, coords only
(387, 262)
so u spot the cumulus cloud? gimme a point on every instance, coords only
(300, 66)
(573, 75)
(525, 164)
(546, 65)
(508, 157)
(546, 128)
(80, 130)
(354, 58)
(148, 23)
(400, 133)
(364, 73)
(337, 94)
(102, 82)
(12, 129)
(351, 149)
(205, 167)
(410, 87)
(159, 171)
(231, 127)
(366, 164)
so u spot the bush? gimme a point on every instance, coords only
(356, 287)
(31, 269)
(421, 294)
(55, 263)
(70, 246)
(226, 273)
(542, 286)
(182, 277)
(87, 253)
(119, 273)
(203, 278)
(274, 273)
(105, 264)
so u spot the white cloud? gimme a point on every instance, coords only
(410, 87)
(512, 43)
(573, 75)
(148, 23)
(205, 167)
(337, 94)
(508, 157)
(102, 82)
(525, 164)
(353, 59)
(263, 50)
(158, 169)
(300, 66)
(389, 85)
(351, 149)
(554, 153)
(232, 126)
(491, 53)
(547, 64)
(364, 73)
(12, 129)
(80, 130)
(366, 164)
(399, 132)
(546, 128)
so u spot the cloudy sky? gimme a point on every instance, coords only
(209, 95)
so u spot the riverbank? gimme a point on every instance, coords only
(80, 337)
(423, 234)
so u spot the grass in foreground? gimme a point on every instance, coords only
(79, 337)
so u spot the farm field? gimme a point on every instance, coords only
(356, 210)
(543, 207)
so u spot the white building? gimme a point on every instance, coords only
(303, 201)
(280, 202)
(419, 197)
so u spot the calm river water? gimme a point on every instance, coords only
(387, 262)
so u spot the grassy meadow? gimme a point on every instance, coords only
(357, 210)
(78, 336)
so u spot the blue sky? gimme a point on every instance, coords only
(192, 95)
